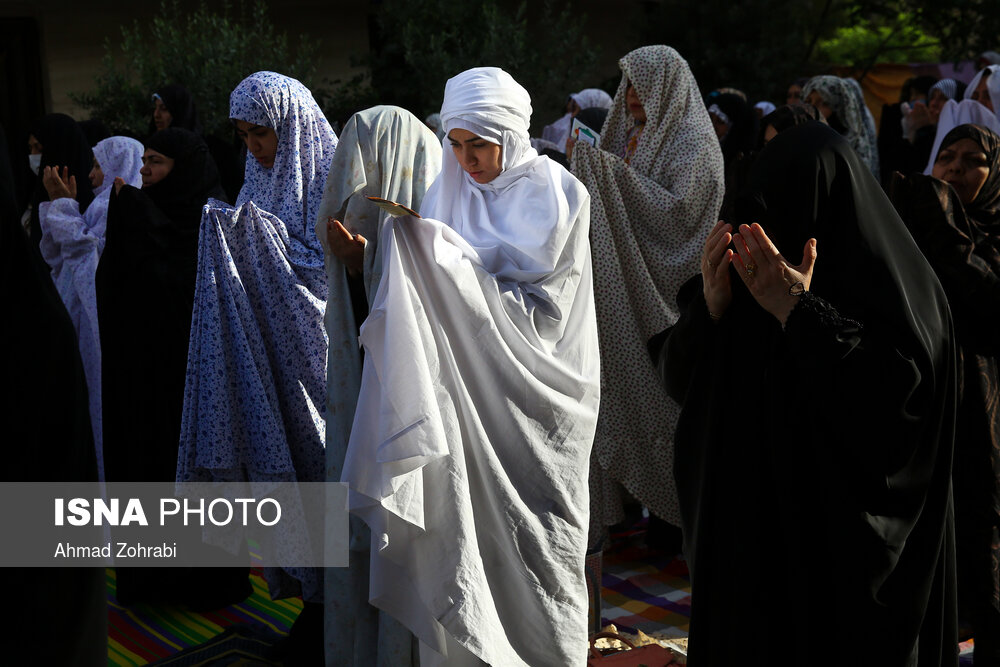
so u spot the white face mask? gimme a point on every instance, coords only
(35, 162)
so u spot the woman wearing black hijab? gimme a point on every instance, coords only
(173, 106)
(145, 296)
(63, 145)
(815, 440)
(954, 216)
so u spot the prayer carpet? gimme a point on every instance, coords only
(144, 634)
(646, 590)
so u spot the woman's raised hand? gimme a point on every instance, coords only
(348, 248)
(119, 184)
(59, 186)
(773, 282)
(715, 260)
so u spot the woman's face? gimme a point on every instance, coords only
(721, 128)
(814, 98)
(34, 145)
(96, 175)
(481, 159)
(634, 105)
(935, 104)
(161, 117)
(261, 141)
(963, 165)
(982, 94)
(794, 95)
(155, 167)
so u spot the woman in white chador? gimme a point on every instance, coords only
(469, 453)
(72, 243)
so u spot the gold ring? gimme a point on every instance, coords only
(710, 263)
(751, 267)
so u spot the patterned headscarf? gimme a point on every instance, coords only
(848, 106)
(948, 88)
(293, 188)
(118, 157)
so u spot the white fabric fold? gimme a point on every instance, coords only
(469, 452)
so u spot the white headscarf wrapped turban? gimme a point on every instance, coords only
(488, 102)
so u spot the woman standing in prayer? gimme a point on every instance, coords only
(657, 185)
(57, 140)
(815, 442)
(383, 152)
(72, 243)
(468, 455)
(145, 292)
(844, 110)
(256, 381)
(955, 219)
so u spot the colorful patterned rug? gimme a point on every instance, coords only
(144, 634)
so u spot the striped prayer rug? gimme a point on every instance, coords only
(143, 634)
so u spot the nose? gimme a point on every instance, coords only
(145, 170)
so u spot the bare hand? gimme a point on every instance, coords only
(570, 143)
(715, 260)
(119, 184)
(348, 248)
(774, 283)
(58, 186)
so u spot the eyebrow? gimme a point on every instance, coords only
(456, 141)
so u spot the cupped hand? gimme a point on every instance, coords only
(348, 248)
(774, 283)
(59, 186)
(715, 259)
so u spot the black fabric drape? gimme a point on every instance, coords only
(63, 145)
(47, 439)
(145, 295)
(814, 463)
(962, 243)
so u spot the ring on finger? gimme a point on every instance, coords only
(711, 264)
(751, 268)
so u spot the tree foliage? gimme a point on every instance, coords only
(204, 50)
(758, 46)
(419, 44)
(882, 39)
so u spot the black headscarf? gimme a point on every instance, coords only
(742, 133)
(190, 183)
(830, 465)
(63, 145)
(787, 116)
(181, 106)
(984, 210)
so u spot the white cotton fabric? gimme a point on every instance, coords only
(256, 378)
(383, 152)
(954, 114)
(589, 98)
(468, 456)
(72, 243)
(992, 85)
(649, 219)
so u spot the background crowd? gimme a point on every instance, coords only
(772, 328)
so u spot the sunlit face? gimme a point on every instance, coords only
(96, 175)
(634, 105)
(794, 94)
(481, 159)
(155, 167)
(161, 116)
(34, 145)
(963, 165)
(814, 98)
(935, 104)
(261, 141)
(982, 94)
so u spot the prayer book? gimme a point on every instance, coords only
(392, 208)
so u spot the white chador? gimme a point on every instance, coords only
(469, 454)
